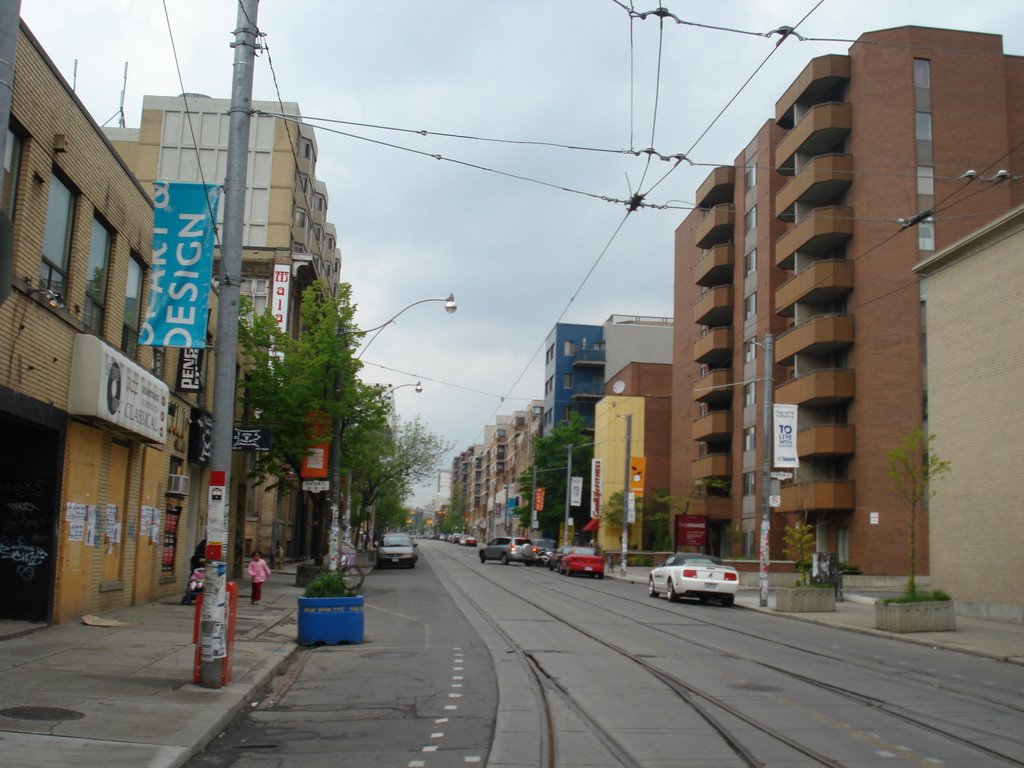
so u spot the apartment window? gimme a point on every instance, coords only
(329, 243)
(300, 217)
(566, 412)
(303, 182)
(12, 162)
(567, 382)
(923, 126)
(298, 247)
(750, 219)
(549, 386)
(922, 73)
(843, 545)
(750, 438)
(750, 263)
(306, 148)
(569, 348)
(96, 285)
(749, 350)
(257, 291)
(750, 307)
(319, 202)
(750, 175)
(925, 180)
(318, 232)
(749, 484)
(60, 208)
(132, 306)
(748, 394)
(926, 236)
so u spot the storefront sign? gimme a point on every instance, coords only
(190, 370)
(279, 295)
(251, 439)
(200, 437)
(691, 531)
(106, 385)
(596, 487)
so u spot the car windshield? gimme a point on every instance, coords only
(699, 559)
(544, 543)
(583, 551)
(397, 540)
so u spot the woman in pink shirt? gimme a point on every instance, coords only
(259, 572)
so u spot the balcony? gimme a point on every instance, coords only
(826, 386)
(820, 80)
(715, 307)
(821, 335)
(589, 358)
(818, 495)
(821, 283)
(819, 182)
(821, 231)
(713, 465)
(588, 390)
(714, 387)
(715, 266)
(716, 226)
(715, 507)
(826, 440)
(714, 347)
(819, 131)
(717, 187)
(714, 427)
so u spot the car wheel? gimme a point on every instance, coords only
(600, 575)
(651, 591)
(504, 558)
(483, 558)
(412, 565)
(703, 600)
(728, 600)
(671, 593)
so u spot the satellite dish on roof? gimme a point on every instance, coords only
(619, 387)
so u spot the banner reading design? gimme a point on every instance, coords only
(184, 219)
(785, 436)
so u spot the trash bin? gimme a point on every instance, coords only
(232, 620)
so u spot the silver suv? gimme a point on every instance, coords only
(509, 549)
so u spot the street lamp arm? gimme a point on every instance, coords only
(449, 306)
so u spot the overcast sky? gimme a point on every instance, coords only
(519, 255)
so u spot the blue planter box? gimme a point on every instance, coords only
(330, 620)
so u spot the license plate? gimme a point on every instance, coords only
(588, 568)
(710, 585)
(394, 559)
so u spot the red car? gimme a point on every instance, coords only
(467, 540)
(581, 560)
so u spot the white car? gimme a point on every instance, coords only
(689, 574)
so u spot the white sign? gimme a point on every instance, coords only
(216, 513)
(774, 501)
(874, 518)
(279, 295)
(785, 436)
(630, 507)
(576, 492)
(315, 486)
(782, 475)
(596, 487)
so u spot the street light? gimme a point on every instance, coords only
(449, 306)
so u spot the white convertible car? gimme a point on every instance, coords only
(689, 574)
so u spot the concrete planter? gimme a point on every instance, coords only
(805, 600)
(932, 616)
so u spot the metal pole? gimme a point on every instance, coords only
(625, 494)
(534, 522)
(568, 497)
(212, 627)
(766, 466)
(10, 15)
(335, 480)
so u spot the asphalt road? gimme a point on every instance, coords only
(596, 673)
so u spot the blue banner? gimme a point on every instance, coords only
(184, 219)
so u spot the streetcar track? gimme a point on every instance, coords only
(675, 684)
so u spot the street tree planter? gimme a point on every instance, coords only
(805, 600)
(923, 616)
(330, 620)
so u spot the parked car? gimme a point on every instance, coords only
(468, 540)
(509, 549)
(555, 556)
(690, 574)
(583, 561)
(396, 549)
(543, 548)
(455, 538)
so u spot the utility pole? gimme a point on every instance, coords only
(626, 493)
(568, 497)
(766, 466)
(213, 627)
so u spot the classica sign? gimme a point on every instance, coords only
(108, 386)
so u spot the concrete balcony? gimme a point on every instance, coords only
(821, 335)
(826, 440)
(835, 495)
(819, 131)
(714, 347)
(715, 307)
(717, 187)
(819, 182)
(713, 465)
(826, 386)
(715, 266)
(820, 78)
(714, 387)
(821, 283)
(716, 227)
(822, 230)
(588, 390)
(715, 426)
(714, 507)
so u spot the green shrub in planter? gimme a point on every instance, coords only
(919, 597)
(329, 584)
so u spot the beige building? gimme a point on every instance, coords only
(287, 243)
(975, 354)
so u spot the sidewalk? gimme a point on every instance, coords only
(113, 697)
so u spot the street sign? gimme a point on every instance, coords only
(315, 486)
(782, 475)
(774, 501)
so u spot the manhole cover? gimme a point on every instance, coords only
(755, 687)
(40, 713)
(389, 655)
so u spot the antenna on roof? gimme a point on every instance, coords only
(124, 87)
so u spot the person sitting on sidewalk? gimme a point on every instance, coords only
(259, 572)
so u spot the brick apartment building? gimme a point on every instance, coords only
(802, 238)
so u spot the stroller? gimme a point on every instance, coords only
(194, 587)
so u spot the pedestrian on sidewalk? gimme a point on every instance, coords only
(259, 572)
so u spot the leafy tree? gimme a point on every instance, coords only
(656, 510)
(550, 454)
(798, 540)
(913, 465)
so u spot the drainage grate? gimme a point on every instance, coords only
(40, 713)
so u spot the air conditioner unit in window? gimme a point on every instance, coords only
(177, 485)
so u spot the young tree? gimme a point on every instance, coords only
(798, 543)
(913, 465)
